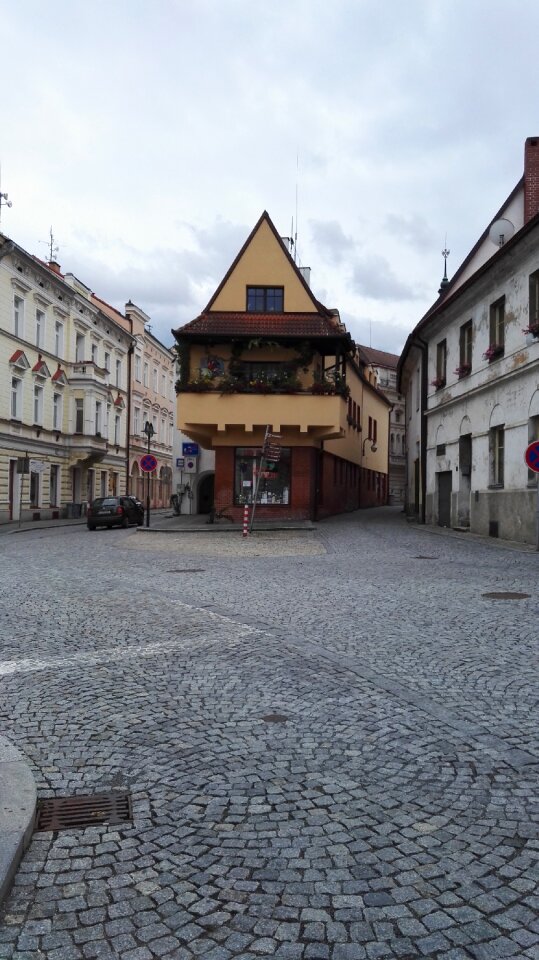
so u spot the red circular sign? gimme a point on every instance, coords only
(532, 456)
(148, 463)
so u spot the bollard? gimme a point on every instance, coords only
(246, 520)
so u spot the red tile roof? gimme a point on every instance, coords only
(379, 358)
(16, 356)
(302, 325)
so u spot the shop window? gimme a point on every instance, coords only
(274, 479)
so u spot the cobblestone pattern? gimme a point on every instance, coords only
(394, 813)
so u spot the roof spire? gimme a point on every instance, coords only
(445, 281)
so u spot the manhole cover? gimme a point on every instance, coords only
(422, 556)
(187, 570)
(68, 813)
(505, 596)
(275, 718)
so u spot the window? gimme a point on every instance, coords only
(465, 350)
(136, 420)
(154, 379)
(146, 373)
(94, 353)
(441, 364)
(40, 328)
(38, 404)
(265, 299)
(534, 300)
(34, 489)
(274, 481)
(117, 430)
(496, 455)
(58, 338)
(18, 316)
(106, 361)
(98, 413)
(79, 416)
(163, 385)
(54, 485)
(118, 373)
(79, 348)
(163, 431)
(497, 329)
(16, 398)
(138, 367)
(171, 390)
(57, 411)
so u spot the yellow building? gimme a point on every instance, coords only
(265, 353)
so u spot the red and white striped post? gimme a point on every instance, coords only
(246, 520)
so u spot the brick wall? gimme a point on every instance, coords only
(339, 487)
(531, 178)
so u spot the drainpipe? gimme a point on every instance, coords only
(424, 348)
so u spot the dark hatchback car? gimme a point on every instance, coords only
(114, 512)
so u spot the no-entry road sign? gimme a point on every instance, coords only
(148, 463)
(531, 456)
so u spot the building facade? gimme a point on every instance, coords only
(80, 381)
(265, 353)
(470, 374)
(63, 392)
(385, 367)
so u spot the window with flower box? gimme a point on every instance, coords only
(533, 312)
(465, 350)
(496, 347)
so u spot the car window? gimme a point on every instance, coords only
(105, 502)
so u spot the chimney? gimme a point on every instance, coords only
(55, 267)
(531, 178)
(306, 274)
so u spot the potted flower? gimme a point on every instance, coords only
(533, 328)
(494, 351)
(438, 382)
(463, 370)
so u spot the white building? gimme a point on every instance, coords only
(470, 375)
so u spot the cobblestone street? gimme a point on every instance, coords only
(331, 741)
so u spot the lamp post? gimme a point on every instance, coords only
(149, 431)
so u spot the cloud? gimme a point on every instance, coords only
(330, 240)
(373, 277)
(414, 230)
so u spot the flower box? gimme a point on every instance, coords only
(463, 370)
(533, 329)
(494, 351)
(438, 382)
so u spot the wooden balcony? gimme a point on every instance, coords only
(208, 416)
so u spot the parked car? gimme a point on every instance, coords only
(114, 512)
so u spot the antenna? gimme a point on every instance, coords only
(445, 254)
(501, 231)
(4, 201)
(53, 249)
(296, 233)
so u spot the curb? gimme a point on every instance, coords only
(18, 798)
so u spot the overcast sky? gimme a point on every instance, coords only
(151, 135)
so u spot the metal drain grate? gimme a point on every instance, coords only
(422, 556)
(275, 718)
(505, 596)
(187, 570)
(69, 813)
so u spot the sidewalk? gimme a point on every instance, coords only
(33, 525)
(18, 798)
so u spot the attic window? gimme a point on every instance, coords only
(265, 299)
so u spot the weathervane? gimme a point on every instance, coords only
(445, 281)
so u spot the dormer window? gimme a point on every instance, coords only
(265, 299)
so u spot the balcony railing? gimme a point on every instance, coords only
(87, 370)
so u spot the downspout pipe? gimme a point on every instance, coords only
(423, 346)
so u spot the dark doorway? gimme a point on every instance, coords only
(444, 498)
(205, 493)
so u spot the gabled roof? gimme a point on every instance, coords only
(265, 218)
(59, 376)
(20, 360)
(40, 369)
(379, 358)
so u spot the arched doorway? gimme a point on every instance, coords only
(205, 493)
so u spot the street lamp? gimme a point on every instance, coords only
(149, 431)
(374, 448)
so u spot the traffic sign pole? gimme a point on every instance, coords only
(531, 456)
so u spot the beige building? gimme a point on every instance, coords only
(65, 392)
(385, 368)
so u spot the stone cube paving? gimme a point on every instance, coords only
(331, 742)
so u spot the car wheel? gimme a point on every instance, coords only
(125, 523)
(91, 526)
